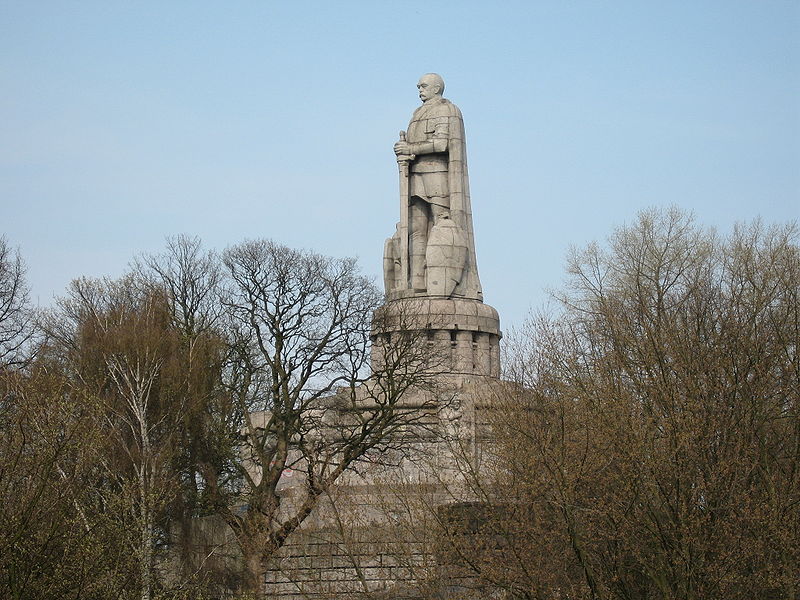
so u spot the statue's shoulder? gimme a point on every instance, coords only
(445, 108)
(450, 109)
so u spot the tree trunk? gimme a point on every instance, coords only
(253, 575)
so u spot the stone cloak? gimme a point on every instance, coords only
(458, 183)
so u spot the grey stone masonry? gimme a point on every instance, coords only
(464, 333)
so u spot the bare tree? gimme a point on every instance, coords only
(654, 449)
(301, 375)
(16, 327)
(117, 340)
(215, 383)
(146, 349)
(190, 278)
(54, 538)
(208, 433)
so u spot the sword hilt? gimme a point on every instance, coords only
(405, 158)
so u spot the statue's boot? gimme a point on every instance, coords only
(418, 242)
(418, 271)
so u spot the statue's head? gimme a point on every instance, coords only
(430, 86)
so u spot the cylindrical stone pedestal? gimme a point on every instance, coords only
(464, 334)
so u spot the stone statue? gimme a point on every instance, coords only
(432, 253)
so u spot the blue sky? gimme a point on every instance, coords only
(122, 123)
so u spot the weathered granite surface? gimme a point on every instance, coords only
(432, 252)
(430, 270)
(463, 333)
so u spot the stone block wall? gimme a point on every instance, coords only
(323, 564)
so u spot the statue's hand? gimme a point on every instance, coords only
(402, 148)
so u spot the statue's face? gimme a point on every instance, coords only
(428, 88)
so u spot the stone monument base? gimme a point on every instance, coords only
(464, 333)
